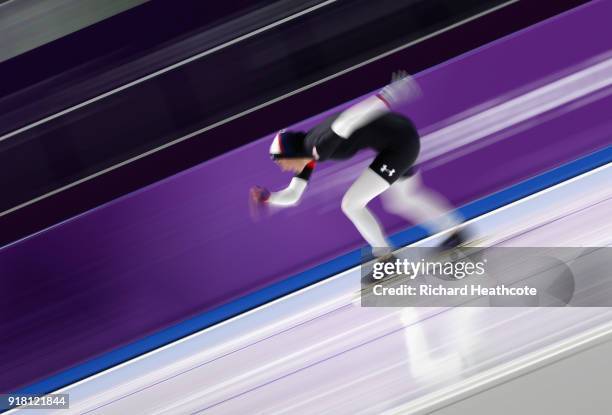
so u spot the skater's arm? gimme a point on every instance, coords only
(347, 122)
(401, 89)
(289, 196)
(358, 115)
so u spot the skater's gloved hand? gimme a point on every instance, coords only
(402, 88)
(259, 194)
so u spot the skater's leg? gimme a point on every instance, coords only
(354, 205)
(411, 200)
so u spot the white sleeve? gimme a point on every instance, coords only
(359, 115)
(399, 91)
(289, 196)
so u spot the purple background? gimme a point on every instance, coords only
(250, 127)
(187, 244)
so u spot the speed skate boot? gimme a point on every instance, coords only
(457, 239)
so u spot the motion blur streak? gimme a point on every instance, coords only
(517, 110)
(381, 358)
(451, 141)
(186, 246)
(150, 60)
(27, 24)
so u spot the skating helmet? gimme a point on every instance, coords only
(288, 144)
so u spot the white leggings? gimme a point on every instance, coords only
(407, 198)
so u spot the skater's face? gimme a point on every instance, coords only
(294, 165)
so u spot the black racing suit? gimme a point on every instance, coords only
(392, 136)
